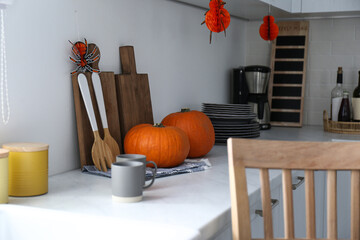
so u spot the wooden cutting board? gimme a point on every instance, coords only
(133, 93)
(85, 133)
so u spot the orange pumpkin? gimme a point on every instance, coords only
(197, 127)
(166, 146)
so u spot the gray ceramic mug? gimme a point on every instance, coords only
(127, 181)
(139, 158)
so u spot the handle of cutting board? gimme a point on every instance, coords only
(99, 98)
(85, 92)
(127, 59)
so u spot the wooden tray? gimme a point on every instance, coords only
(340, 127)
(85, 133)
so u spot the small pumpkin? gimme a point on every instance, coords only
(165, 145)
(197, 127)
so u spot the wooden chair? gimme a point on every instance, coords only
(289, 155)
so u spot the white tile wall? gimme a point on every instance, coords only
(332, 43)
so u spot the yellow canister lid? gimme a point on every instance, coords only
(4, 153)
(26, 147)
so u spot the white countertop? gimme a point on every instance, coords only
(199, 202)
(306, 133)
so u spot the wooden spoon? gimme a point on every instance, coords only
(108, 139)
(100, 151)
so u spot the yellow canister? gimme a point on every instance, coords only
(28, 169)
(4, 173)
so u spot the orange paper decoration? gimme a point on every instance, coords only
(269, 30)
(217, 19)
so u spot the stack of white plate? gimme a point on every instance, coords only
(232, 120)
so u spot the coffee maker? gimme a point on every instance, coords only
(239, 88)
(250, 85)
(257, 79)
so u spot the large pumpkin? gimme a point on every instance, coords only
(197, 127)
(166, 146)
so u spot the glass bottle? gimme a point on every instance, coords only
(356, 102)
(337, 95)
(344, 112)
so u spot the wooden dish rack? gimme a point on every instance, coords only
(340, 127)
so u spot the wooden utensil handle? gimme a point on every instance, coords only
(85, 92)
(127, 58)
(100, 98)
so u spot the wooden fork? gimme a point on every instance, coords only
(108, 139)
(100, 152)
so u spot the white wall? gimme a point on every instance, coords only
(170, 45)
(332, 43)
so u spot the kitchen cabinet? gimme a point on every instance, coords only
(343, 183)
(226, 234)
(318, 6)
(343, 195)
(257, 227)
(299, 204)
(310, 6)
(285, 9)
(343, 190)
(285, 5)
(343, 201)
(243, 9)
(257, 222)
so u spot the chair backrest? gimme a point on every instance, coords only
(292, 155)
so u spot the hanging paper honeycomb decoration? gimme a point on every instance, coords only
(217, 19)
(269, 30)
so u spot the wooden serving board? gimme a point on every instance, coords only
(133, 93)
(287, 80)
(85, 133)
